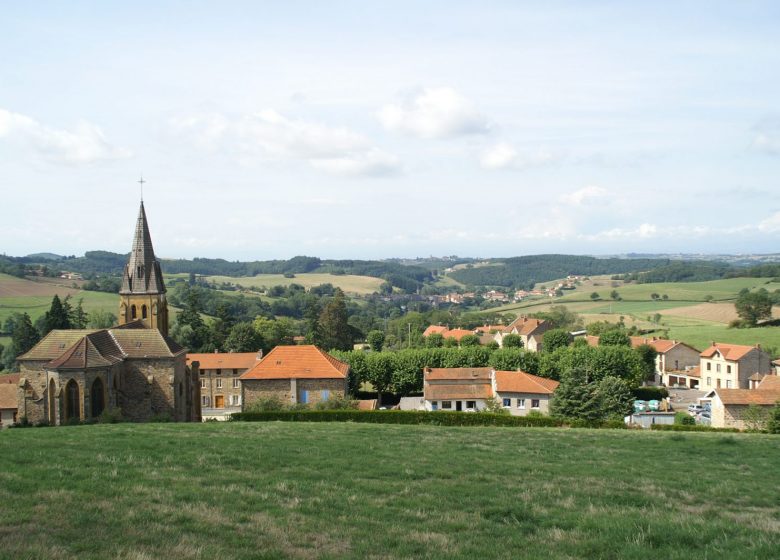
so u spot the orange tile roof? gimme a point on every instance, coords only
(457, 374)
(458, 391)
(12, 378)
(486, 329)
(748, 396)
(297, 362)
(695, 371)
(457, 334)
(731, 352)
(435, 329)
(521, 382)
(661, 345)
(770, 382)
(8, 396)
(224, 360)
(524, 325)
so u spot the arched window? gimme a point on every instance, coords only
(143, 312)
(133, 312)
(72, 401)
(97, 396)
(52, 402)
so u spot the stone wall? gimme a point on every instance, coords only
(290, 391)
(315, 387)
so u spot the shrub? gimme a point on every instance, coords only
(337, 403)
(266, 404)
(773, 422)
(111, 415)
(684, 419)
(492, 406)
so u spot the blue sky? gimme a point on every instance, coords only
(360, 130)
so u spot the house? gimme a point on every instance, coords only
(529, 330)
(219, 372)
(435, 329)
(521, 392)
(730, 366)
(8, 406)
(446, 333)
(470, 389)
(676, 363)
(729, 405)
(457, 389)
(295, 375)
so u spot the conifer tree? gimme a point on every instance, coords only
(333, 324)
(56, 317)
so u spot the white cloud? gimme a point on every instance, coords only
(434, 113)
(771, 224)
(84, 144)
(268, 134)
(767, 138)
(505, 156)
(579, 197)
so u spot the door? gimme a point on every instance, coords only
(219, 401)
(459, 406)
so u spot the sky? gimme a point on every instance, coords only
(399, 129)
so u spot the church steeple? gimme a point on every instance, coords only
(142, 295)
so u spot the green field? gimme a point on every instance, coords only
(35, 306)
(286, 490)
(360, 285)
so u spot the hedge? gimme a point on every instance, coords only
(689, 428)
(439, 418)
(651, 393)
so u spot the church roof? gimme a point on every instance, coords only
(81, 349)
(142, 274)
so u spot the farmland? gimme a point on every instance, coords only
(286, 490)
(351, 284)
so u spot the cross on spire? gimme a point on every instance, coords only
(141, 182)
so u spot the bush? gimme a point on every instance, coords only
(111, 416)
(267, 404)
(687, 428)
(650, 393)
(684, 419)
(337, 403)
(161, 418)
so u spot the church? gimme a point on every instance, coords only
(76, 375)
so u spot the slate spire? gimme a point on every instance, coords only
(142, 273)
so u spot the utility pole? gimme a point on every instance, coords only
(409, 340)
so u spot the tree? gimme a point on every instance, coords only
(79, 317)
(335, 333)
(654, 296)
(773, 420)
(753, 307)
(57, 317)
(554, 339)
(576, 397)
(512, 341)
(615, 398)
(615, 337)
(647, 354)
(23, 337)
(101, 319)
(594, 296)
(376, 339)
(469, 340)
(434, 340)
(243, 338)
(614, 295)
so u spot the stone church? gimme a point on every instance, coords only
(77, 374)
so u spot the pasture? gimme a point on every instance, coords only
(349, 283)
(287, 490)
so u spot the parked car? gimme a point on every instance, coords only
(694, 409)
(704, 418)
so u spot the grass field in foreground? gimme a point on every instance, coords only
(279, 490)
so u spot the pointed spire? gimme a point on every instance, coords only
(142, 273)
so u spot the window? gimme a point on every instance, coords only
(205, 401)
(471, 404)
(219, 384)
(717, 368)
(325, 395)
(235, 371)
(446, 404)
(728, 369)
(304, 397)
(434, 405)
(728, 384)
(709, 382)
(143, 312)
(235, 400)
(203, 372)
(219, 372)
(236, 384)
(520, 403)
(133, 312)
(507, 403)
(202, 383)
(534, 403)
(709, 366)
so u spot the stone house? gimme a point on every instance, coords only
(457, 389)
(521, 392)
(729, 405)
(8, 406)
(529, 330)
(295, 375)
(676, 363)
(219, 372)
(730, 366)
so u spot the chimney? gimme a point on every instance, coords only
(259, 355)
(216, 350)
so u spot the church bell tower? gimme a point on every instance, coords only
(142, 296)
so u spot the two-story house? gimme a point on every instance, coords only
(730, 366)
(220, 387)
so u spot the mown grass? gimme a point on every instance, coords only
(35, 306)
(279, 490)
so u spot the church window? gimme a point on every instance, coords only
(98, 398)
(143, 312)
(72, 405)
(133, 312)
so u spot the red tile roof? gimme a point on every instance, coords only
(297, 362)
(524, 325)
(748, 396)
(435, 329)
(770, 382)
(457, 334)
(8, 396)
(450, 391)
(224, 360)
(730, 352)
(521, 382)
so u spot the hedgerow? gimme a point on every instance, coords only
(689, 428)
